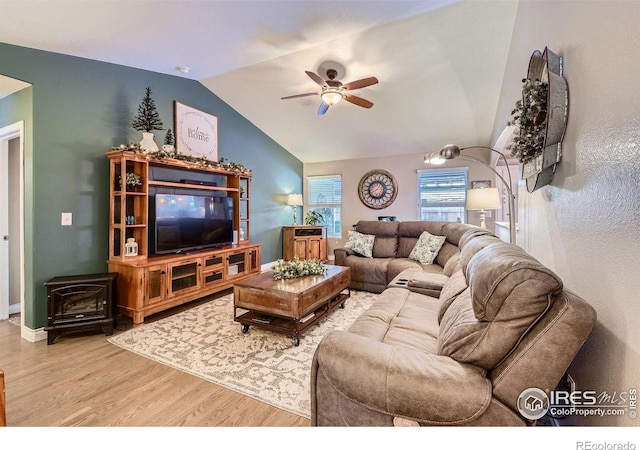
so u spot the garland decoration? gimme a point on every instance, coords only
(286, 270)
(223, 164)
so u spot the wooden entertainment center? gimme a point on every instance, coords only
(149, 283)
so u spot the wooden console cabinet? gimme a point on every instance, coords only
(305, 242)
(149, 286)
(149, 283)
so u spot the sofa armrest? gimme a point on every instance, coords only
(341, 254)
(427, 388)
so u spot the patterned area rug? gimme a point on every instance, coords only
(206, 342)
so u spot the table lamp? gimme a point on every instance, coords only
(481, 200)
(294, 200)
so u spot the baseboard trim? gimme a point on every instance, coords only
(14, 309)
(268, 266)
(39, 334)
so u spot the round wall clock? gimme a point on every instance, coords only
(377, 189)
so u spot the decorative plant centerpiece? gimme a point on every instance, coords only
(313, 218)
(285, 270)
(146, 121)
(529, 116)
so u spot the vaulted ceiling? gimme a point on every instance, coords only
(440, 64)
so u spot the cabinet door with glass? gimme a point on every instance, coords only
(237, 264)
(183, 276)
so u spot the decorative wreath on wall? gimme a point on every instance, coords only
(541, 119)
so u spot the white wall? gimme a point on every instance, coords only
(404, 169)
(585, 225)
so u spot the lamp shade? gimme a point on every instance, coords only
(481, 199)
(294, 200)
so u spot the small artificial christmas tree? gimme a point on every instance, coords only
(147, 119)
(169, 138)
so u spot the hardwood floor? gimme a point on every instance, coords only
(82, 380)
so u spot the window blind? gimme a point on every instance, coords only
(324, 190)
(442, 188)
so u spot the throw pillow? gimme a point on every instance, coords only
(427, 248)
(360, 243)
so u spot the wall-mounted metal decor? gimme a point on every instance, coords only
(541, 119)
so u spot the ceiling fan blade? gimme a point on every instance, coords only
(358, 101)
(298, 95)
(317, 78)
(323, 108)
(360, 83)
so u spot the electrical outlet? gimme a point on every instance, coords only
(67, 219)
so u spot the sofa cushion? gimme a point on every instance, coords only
(360, 243)
(452, 264)
(370, 270)
(403, 279)
(427, 248)
(385, 247)
(401, 318)
(472, 247)
(502, 273)
(399, 265)
(409, 232)
(427, 280)
(378, 227)
(508, 293)
(455, 231)
(386, 237)
(453, 287)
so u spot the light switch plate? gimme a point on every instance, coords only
(67, 219)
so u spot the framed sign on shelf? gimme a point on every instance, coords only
(196, 132)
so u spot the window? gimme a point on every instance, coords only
(442, 194)
(324, 194)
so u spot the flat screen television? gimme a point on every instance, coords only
(183, 222)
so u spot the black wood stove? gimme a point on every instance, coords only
(80, 302)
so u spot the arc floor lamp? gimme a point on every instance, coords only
(452, 151)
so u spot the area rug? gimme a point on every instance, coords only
(206, 342)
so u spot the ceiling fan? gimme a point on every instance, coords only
(333, 91)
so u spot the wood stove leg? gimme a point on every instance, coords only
(51, 336)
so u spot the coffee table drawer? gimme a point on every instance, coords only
(255, 299)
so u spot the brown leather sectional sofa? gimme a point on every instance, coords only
(501, 325)
(393, 244)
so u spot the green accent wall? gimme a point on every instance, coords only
(80, 109)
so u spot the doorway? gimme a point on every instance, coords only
(12, 221)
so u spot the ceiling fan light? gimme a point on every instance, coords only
(331, 97)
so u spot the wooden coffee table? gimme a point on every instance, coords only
(290, 306)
